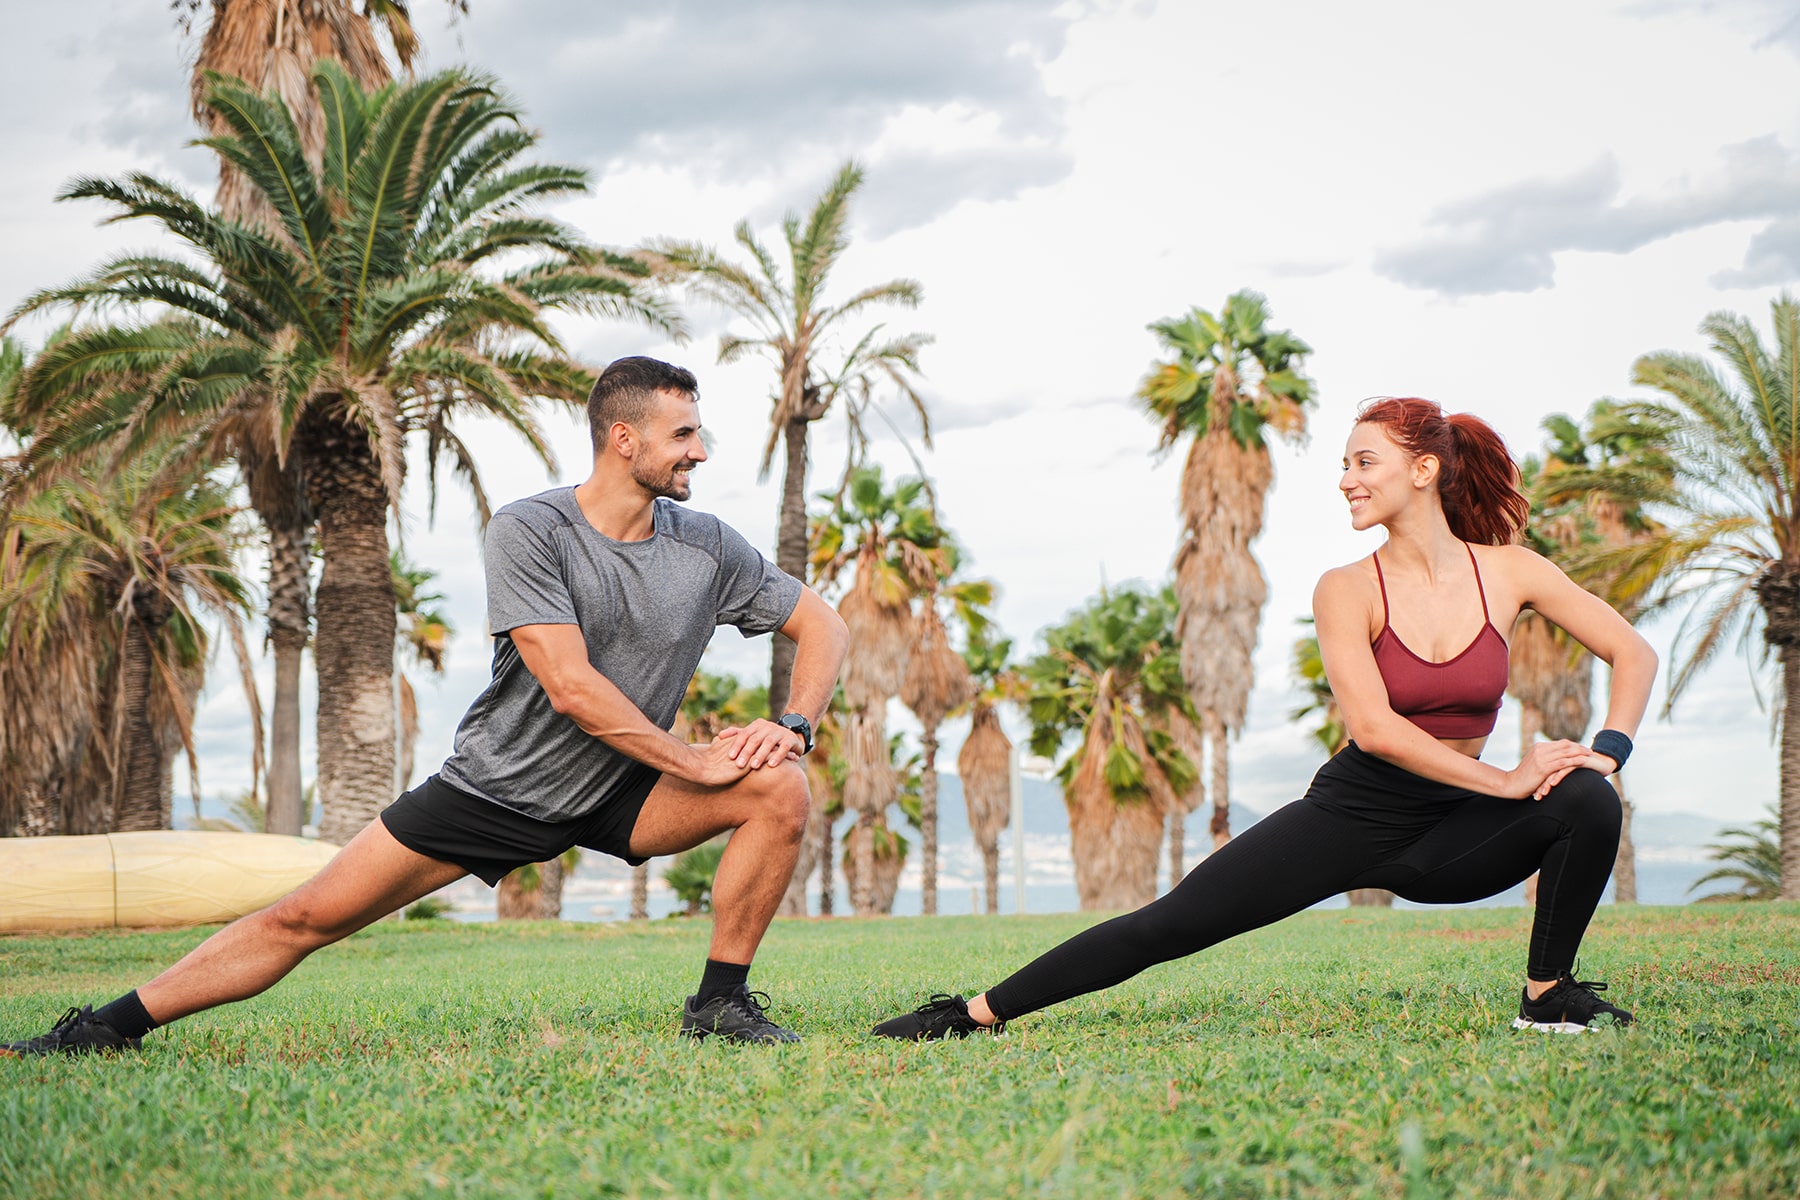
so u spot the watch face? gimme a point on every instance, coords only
(799, 725)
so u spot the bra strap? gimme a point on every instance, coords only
(1478, 587)
(1382, 580)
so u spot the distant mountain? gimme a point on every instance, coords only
(1046, 813)
(1676, 830)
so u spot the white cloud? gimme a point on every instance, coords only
(1506, 240)
(726, 90)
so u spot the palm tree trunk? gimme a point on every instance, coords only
(990, 861)
(354, 646)
(886, 882)
(140, 804)
(640, 892)
(928, 821)
(550, 889)
(1625, 865)
(40, 812)
(1790, 774)
(1531, 723)
(827, 887)
(790, 556)
(409, 733)
(1221, 780)
(1177, 845)
(541, 901)
(793, 901)
(862, 850)
(289, 596)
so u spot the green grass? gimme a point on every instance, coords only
(1336, 1054)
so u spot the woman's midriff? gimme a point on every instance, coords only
(1469, 746)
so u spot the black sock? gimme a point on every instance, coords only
(721, 979)
(128, 1015)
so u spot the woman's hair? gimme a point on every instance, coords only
(1478, 481)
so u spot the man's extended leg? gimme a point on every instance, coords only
(766, 814)
(371, 877)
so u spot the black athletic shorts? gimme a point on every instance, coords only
(490, 840)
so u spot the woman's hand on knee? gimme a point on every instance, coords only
(1600, 764)
(1544, 766)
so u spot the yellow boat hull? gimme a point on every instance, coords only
(147, 880)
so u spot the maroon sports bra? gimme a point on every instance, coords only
(1458, 698)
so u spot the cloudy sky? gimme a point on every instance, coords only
(1498, 208)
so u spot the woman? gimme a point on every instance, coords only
(1412, 643)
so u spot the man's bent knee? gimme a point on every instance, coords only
(782, 796)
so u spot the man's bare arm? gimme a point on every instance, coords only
(557, 656)
(820, 641)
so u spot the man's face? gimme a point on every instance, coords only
(668, 446)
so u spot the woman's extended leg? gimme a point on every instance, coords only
(1290, 860)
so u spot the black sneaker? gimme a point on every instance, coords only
(941, 1017)
(735, 1016)
(1571, 1006)
(79, 1032)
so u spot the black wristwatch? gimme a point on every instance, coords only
(799, 725)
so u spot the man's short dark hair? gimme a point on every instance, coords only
(627, 389)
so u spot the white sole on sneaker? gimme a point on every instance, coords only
(1552, 1026)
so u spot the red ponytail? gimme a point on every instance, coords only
(1477, 479)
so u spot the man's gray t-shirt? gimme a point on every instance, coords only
(646, 609)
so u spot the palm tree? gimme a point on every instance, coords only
(691, 876)
(533, 892)
(826, 773)
(104, 584)
(274, 46)
(425, 634)
(1229, 381)
(1590, 496)
(1753, 861)
(1307, 672)
(893, 548)
(888, 847)
(1186, 736)
(1734, 557)
(375, 315)
(937, 682)
(1106, 676)
(984, 763)
(815, 347)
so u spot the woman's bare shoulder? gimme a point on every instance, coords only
(1513, 561)
(1353, 579)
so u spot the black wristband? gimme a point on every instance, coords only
(1614, 745)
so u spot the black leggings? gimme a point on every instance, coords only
(1363, 823)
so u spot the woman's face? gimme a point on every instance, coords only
(1379, 478)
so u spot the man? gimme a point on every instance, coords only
(601, 599)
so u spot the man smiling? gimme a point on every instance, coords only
(601, 600)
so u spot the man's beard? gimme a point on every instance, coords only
(672, 483)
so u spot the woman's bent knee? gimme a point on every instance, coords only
(1585, 798)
